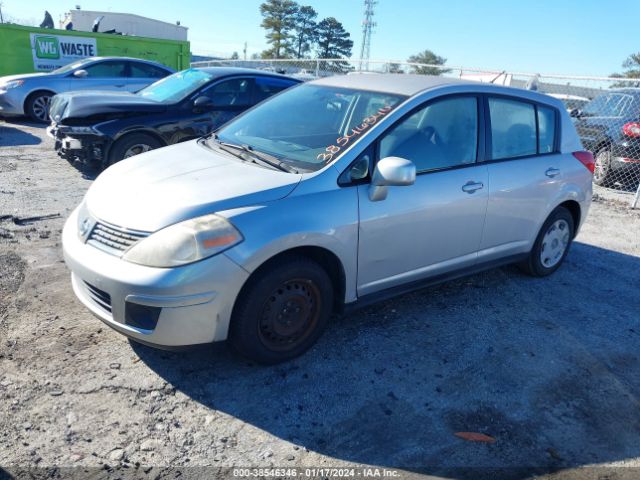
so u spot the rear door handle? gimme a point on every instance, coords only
(552, 172)
(471, 187)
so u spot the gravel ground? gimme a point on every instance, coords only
(550, 368)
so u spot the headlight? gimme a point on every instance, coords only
(185, 242)
(79, 130)
(11, 84)
(85, 222)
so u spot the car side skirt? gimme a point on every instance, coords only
(369, 299)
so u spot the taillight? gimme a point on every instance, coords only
(586, 158)
(631, 129)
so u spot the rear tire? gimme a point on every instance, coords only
(282, 311)
(603, 174)
(131, 145)
(37, 106)
(551, 245)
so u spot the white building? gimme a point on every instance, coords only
(125, 23)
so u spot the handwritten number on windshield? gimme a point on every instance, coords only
(343, 141)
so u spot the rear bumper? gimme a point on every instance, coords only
(164, 307)
(626, 156)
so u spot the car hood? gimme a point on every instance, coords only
(165, 186)
(94, 103)
(22, 76)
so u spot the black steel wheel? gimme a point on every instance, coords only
(282, 310)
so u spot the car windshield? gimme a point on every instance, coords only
(309, 126)
(177, 86)
(609, 105)
(72, 66)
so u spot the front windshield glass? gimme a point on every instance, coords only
(609, 105)
(72, 66)
(309, 126)
(177, 86)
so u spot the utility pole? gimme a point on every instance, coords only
(1, 17)
(367, 30)
(244, 51)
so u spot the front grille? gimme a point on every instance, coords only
(102, 298)
(114, 239)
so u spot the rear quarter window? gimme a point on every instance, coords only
(546, 129)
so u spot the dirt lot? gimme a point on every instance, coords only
(548, 367)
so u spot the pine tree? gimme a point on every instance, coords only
(278, 21)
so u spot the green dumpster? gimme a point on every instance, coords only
(31, 49)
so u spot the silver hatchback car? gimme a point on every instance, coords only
(329, 195)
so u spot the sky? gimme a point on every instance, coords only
(587, 37)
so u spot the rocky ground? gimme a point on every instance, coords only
(548, 368)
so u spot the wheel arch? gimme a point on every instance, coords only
(32, 94)
(576, 213)
(602, 143)
(324, 257)
(136, 131)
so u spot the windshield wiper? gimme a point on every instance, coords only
(263, 157)
(271, 160)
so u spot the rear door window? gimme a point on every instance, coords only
(513, 128)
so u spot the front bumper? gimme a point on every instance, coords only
(85, 148)
(192, 304)
(11, 102)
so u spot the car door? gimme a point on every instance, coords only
(142, 74)
(435, 225)
(525, 174)
(104, 75)
(228, 98)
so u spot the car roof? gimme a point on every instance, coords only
(131, 59)
(399, 83)
(412, 84)
(226, 71)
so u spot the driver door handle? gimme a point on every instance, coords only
(552, 172)
(471, 186)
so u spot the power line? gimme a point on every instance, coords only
(367, 30)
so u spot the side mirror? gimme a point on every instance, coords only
(391, 172)
(80, 73)
(202, 103)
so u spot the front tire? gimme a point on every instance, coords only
(131, 145)
(282, 311)
(552, 244)
(37, 106)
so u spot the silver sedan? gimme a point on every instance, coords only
(30, 94)
(332, 194)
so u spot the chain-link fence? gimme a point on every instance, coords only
(605, 111)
